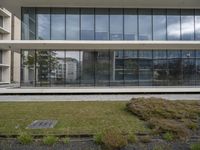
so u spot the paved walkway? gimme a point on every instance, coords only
(125, 97)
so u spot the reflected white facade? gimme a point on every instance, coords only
(137, 43)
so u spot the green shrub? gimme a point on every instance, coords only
(168, 136)
(98, 138)
(66, 140)
(50, 140)
(132, 138)
(195, 146)
(25, 138)
(112, 138)
(158, 147)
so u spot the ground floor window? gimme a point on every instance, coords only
(110, 68)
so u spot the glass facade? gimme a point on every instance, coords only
(110, 68)
(110, 24)
(116, 67)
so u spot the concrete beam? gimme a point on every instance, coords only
(90, 45)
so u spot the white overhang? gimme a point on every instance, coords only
(14, 6)
(90, 45)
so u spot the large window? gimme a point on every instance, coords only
(57, 24)
(116, 24)
(101, 24)
(130, 24)
(28, 24)
(110, 68)
(159, 24)
(145, 24)
(72, 24)
(173, 24)
(1, 57)
(1, 21)
(87, 24)
(197, 24)
(43, 24)
(187, 24)
(110, 24)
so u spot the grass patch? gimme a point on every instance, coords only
(163, 116)
(73, 117)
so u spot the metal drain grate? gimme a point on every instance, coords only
(42, 124)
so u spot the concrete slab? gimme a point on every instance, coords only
(99, 90)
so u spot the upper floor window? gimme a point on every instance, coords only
(110, 24)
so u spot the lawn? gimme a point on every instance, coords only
(73, 117)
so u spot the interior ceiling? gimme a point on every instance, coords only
(14, 5)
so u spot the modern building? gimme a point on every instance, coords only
(100, 43)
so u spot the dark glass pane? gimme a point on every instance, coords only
(130, 24)
(43, 67)
(188, 54)
(1, 57)
(57, 24)
(57, 71)
(43, 23)
(73, 68)
(28, 24)
(88, 68)
(101, 24)
(175, 67)
(130, 67)
(87, 24)
(160, 77)
(159, 24)
(187, 24)
(174, 54)
(28, 67)
(145, 24)
(1, 21)
(198, 71)
(160, 64)
(102, 68)
(197, 24)
(159, 54)
(116, 24)
(72, 24)
(145, 68)
(173, 24)
(189, 69)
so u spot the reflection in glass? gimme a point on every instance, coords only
(28, 67)
(145, 67)
(28, 23)
(173, 24)
(159, 24)
(130, 67)
(57, 65)
(43, 67)
(72, 68)
(116, 24)
(72, 24)
(57, 24)
(175, 67)
(87, 24)
(88, 68)
(43, 23)
(101, 24)
(197, 24)
(187, 24)
(102, 68)
(145, 24)
(130, 24)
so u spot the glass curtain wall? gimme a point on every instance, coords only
(110, 24)
(110, 68)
